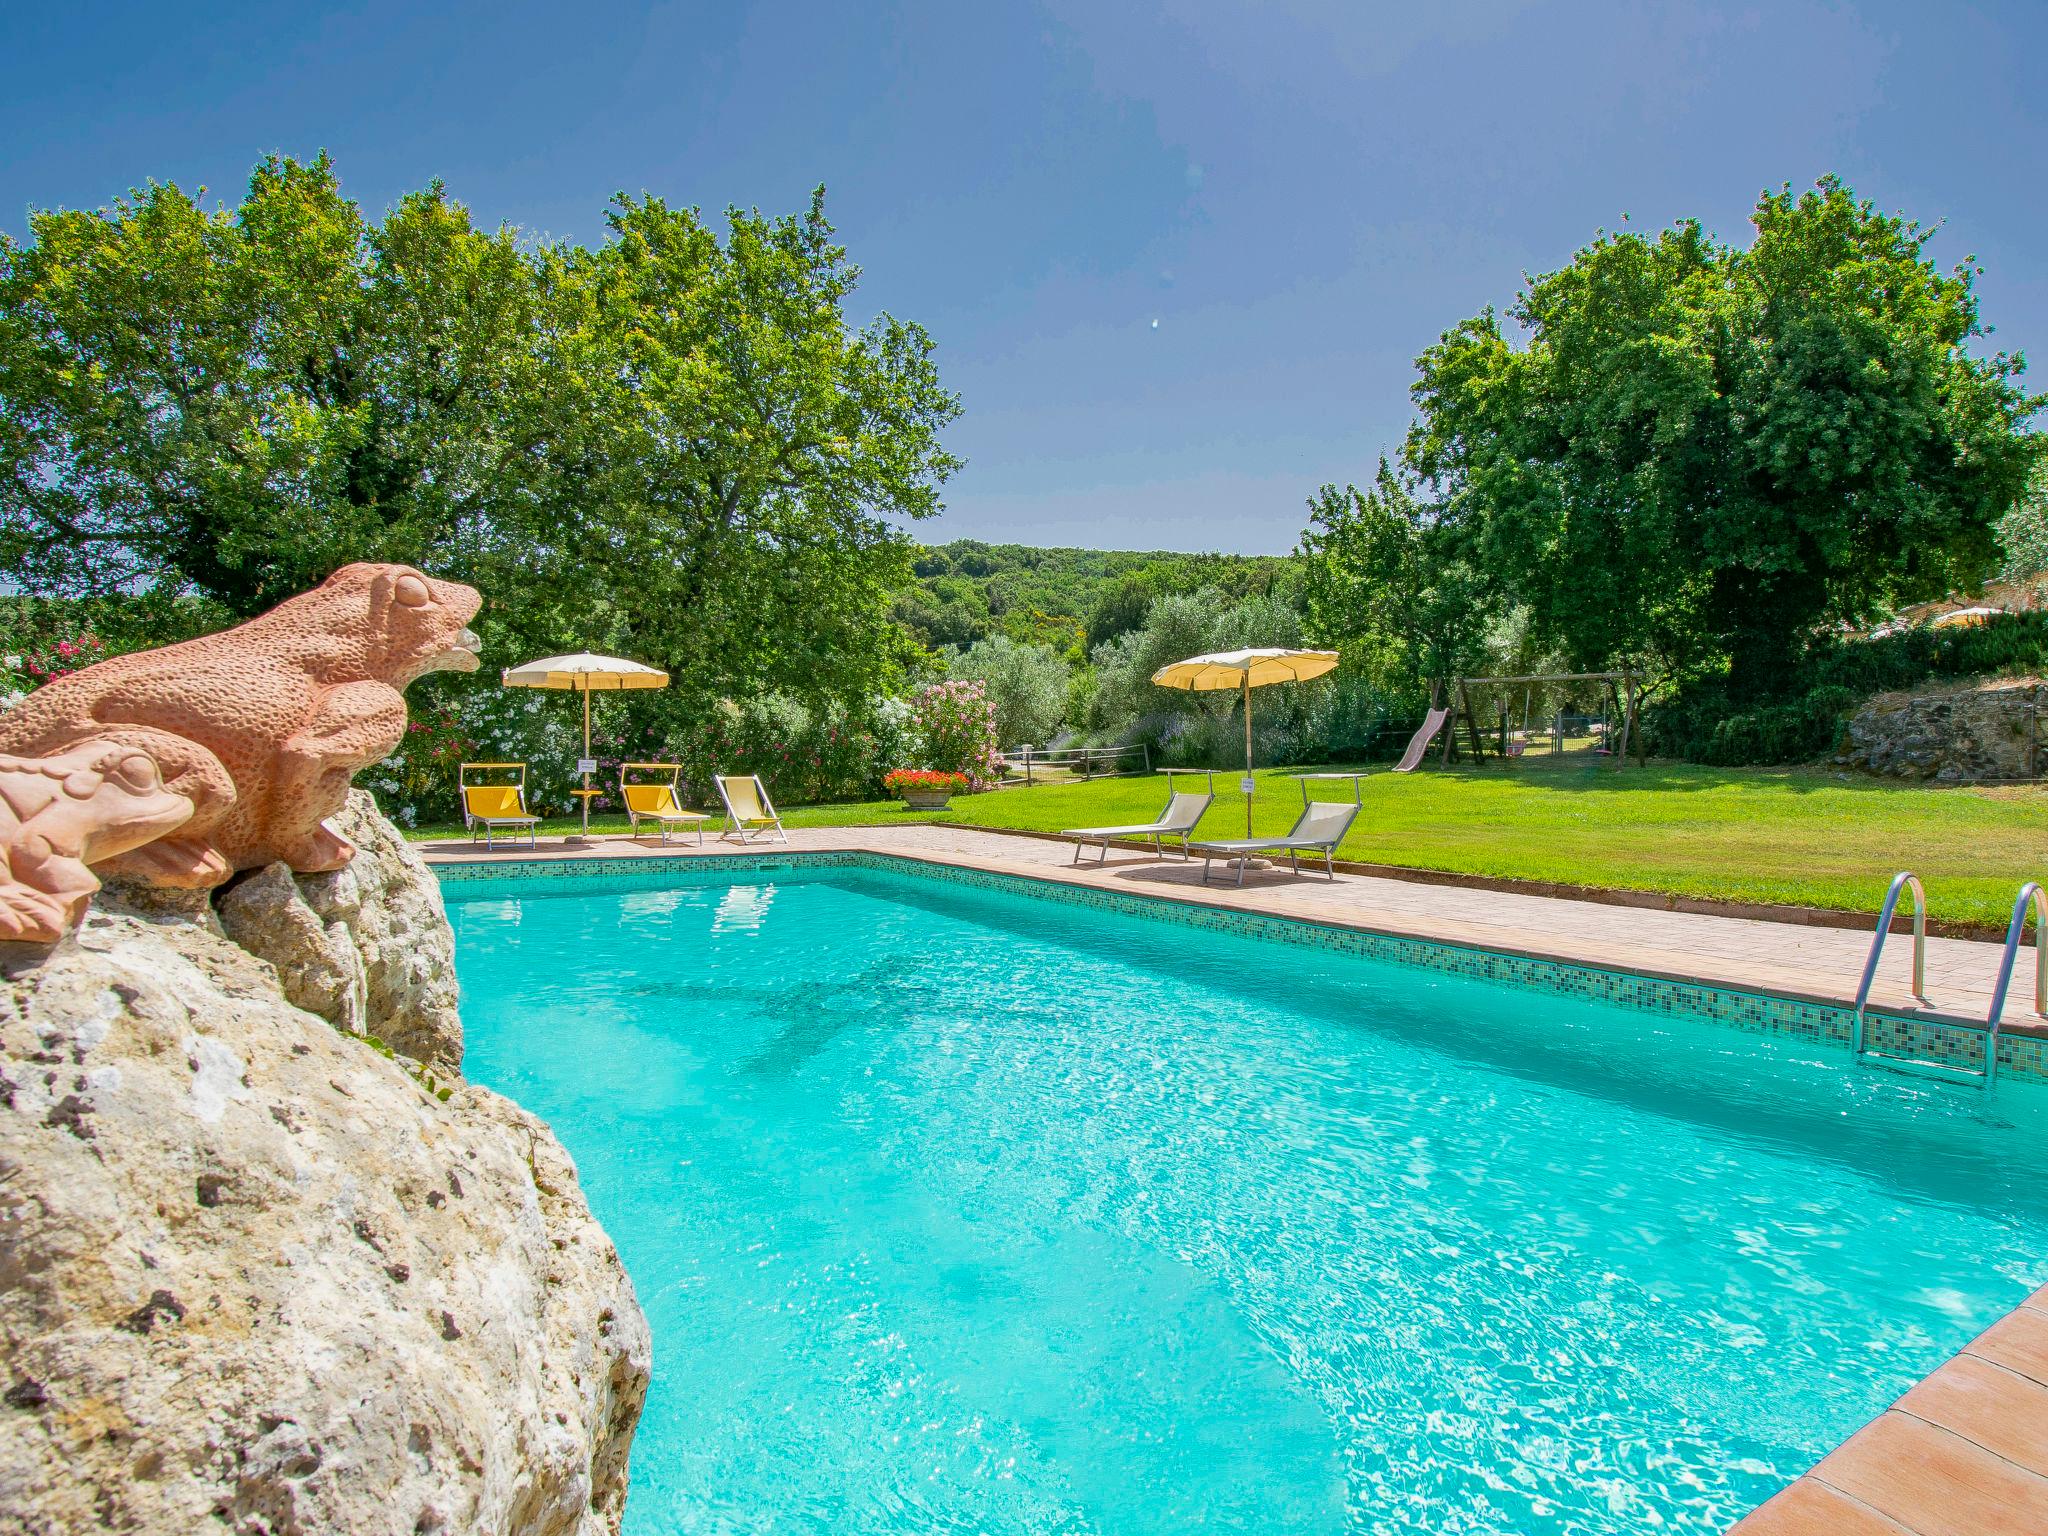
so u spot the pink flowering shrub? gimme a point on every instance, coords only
(54, 660)
(23, 672)
(954, 728)
(425, 763)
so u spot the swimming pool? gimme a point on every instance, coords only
(960, 1209)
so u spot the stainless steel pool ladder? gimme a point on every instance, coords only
(1904, 880)
(2015, 931)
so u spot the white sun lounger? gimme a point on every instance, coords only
(1318, 829)
(1183, 809)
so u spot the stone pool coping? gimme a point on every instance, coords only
(1963, 1453)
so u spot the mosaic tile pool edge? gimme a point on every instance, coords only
(1754, 1012)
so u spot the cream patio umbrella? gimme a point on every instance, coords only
(584, 672)
(1245, 670)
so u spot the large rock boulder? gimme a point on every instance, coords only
(1964, 734)
(367, 947)
(260, 1276)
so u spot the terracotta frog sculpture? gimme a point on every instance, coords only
(263, 726)
(59, 814)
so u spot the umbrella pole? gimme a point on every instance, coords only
(1247, 754)
(586, 758)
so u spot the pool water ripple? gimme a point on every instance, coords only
(956, 1210)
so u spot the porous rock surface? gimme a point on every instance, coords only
(1964, 734)
(255, 1278)
(366, 947)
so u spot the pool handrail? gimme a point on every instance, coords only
(2015, 931)
(1905, 879)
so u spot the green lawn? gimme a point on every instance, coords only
(1800, 837)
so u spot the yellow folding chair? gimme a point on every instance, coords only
(496, 807)
(657, 801)
(748, 809)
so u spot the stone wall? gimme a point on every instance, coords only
(258, 1275)
(1963, 734)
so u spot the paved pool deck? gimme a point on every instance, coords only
(1964, 1453)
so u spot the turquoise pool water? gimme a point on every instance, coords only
(956, 1210)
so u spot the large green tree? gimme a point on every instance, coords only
(1385, 579)
(676, 441)
(239, 401)
(1027, 684)
(1699, 454)
(746, 451)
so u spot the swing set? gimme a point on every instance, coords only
(1563, 728)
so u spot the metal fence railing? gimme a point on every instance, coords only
(1044, 765)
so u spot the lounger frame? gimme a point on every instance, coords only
(676, 816)
(1242, 851)
(512, 826)
(1159, 829)
(750, 828)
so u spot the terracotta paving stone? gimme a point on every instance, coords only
(2018, 1341)
(1810, 1508)
(2001, 1410)
(1936, 1483)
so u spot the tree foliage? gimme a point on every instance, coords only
(1703, 455)
(754, 445)
(1072, 600)
(1120, 607)
(237, 403)
(674, 443)
(1196, 727)
(1026, 684)
(1385, 581)
(2023, 532)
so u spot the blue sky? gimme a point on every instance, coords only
(1178, 257)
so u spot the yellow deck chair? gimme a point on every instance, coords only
(657, 801)
(496, 807)
(748, 810)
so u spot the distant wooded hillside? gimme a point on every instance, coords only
(1070, 599)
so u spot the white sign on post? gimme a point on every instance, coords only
(1247, 783)
(586, 765)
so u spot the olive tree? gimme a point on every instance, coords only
(1027, 684)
